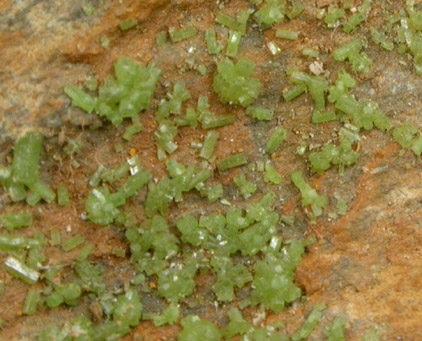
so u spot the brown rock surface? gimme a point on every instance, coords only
(366, 265)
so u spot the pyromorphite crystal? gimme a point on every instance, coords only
(21, 270)
(91, 83)
(41, 191)
(238, 24)
(80, 328)
(62, 196)
(416, 145)
(73, 243)
(165, 134)
(196, 329)
(31, 302)
(170, 315)
(13, 221)
(237, 325)
(209, 145)
(381, 39)
(277, 137)
(208, 119)
(296, 10)
(128, 24)
(116, 173)
(100, 208)
(10, 243)
(415, 20)
(213, 193)
(155, 238)
(233, 43)
(222, 241)
(364, 115)
(56, 238)
(333, 15)
(356, 19)
(168, 189)
(291, 94)
(285, 34)
(315, 85)
(129, 93)
(177, 282)
(190, 230)
(266, 334)
(229, 275)
(343, 83)
(309, 195)
(70, 293)
(310, 324)
(128, 308)
(232, 161)
(132, 130)
(260, 113)
(161, 38)
(182, 34)
(26, 157)
(351, 52)
(236, 220)
(80, 98)
(89, 274)
(310, 53)
(260, 211)
(135, 182)
(189, 119)
(341, 205)
(274, 276)
(174, 104)
(404, 134)
(256, 236)
(213, 45)
(16, 189)
(271, 13)
(54, 333)
(323, 117)
(342, 155)
(110, 330)
(246, 187)
(234, 83)
(335, 332)
(271, 174)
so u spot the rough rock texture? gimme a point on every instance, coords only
(366, 265)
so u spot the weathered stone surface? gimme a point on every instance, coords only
(366, 265)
